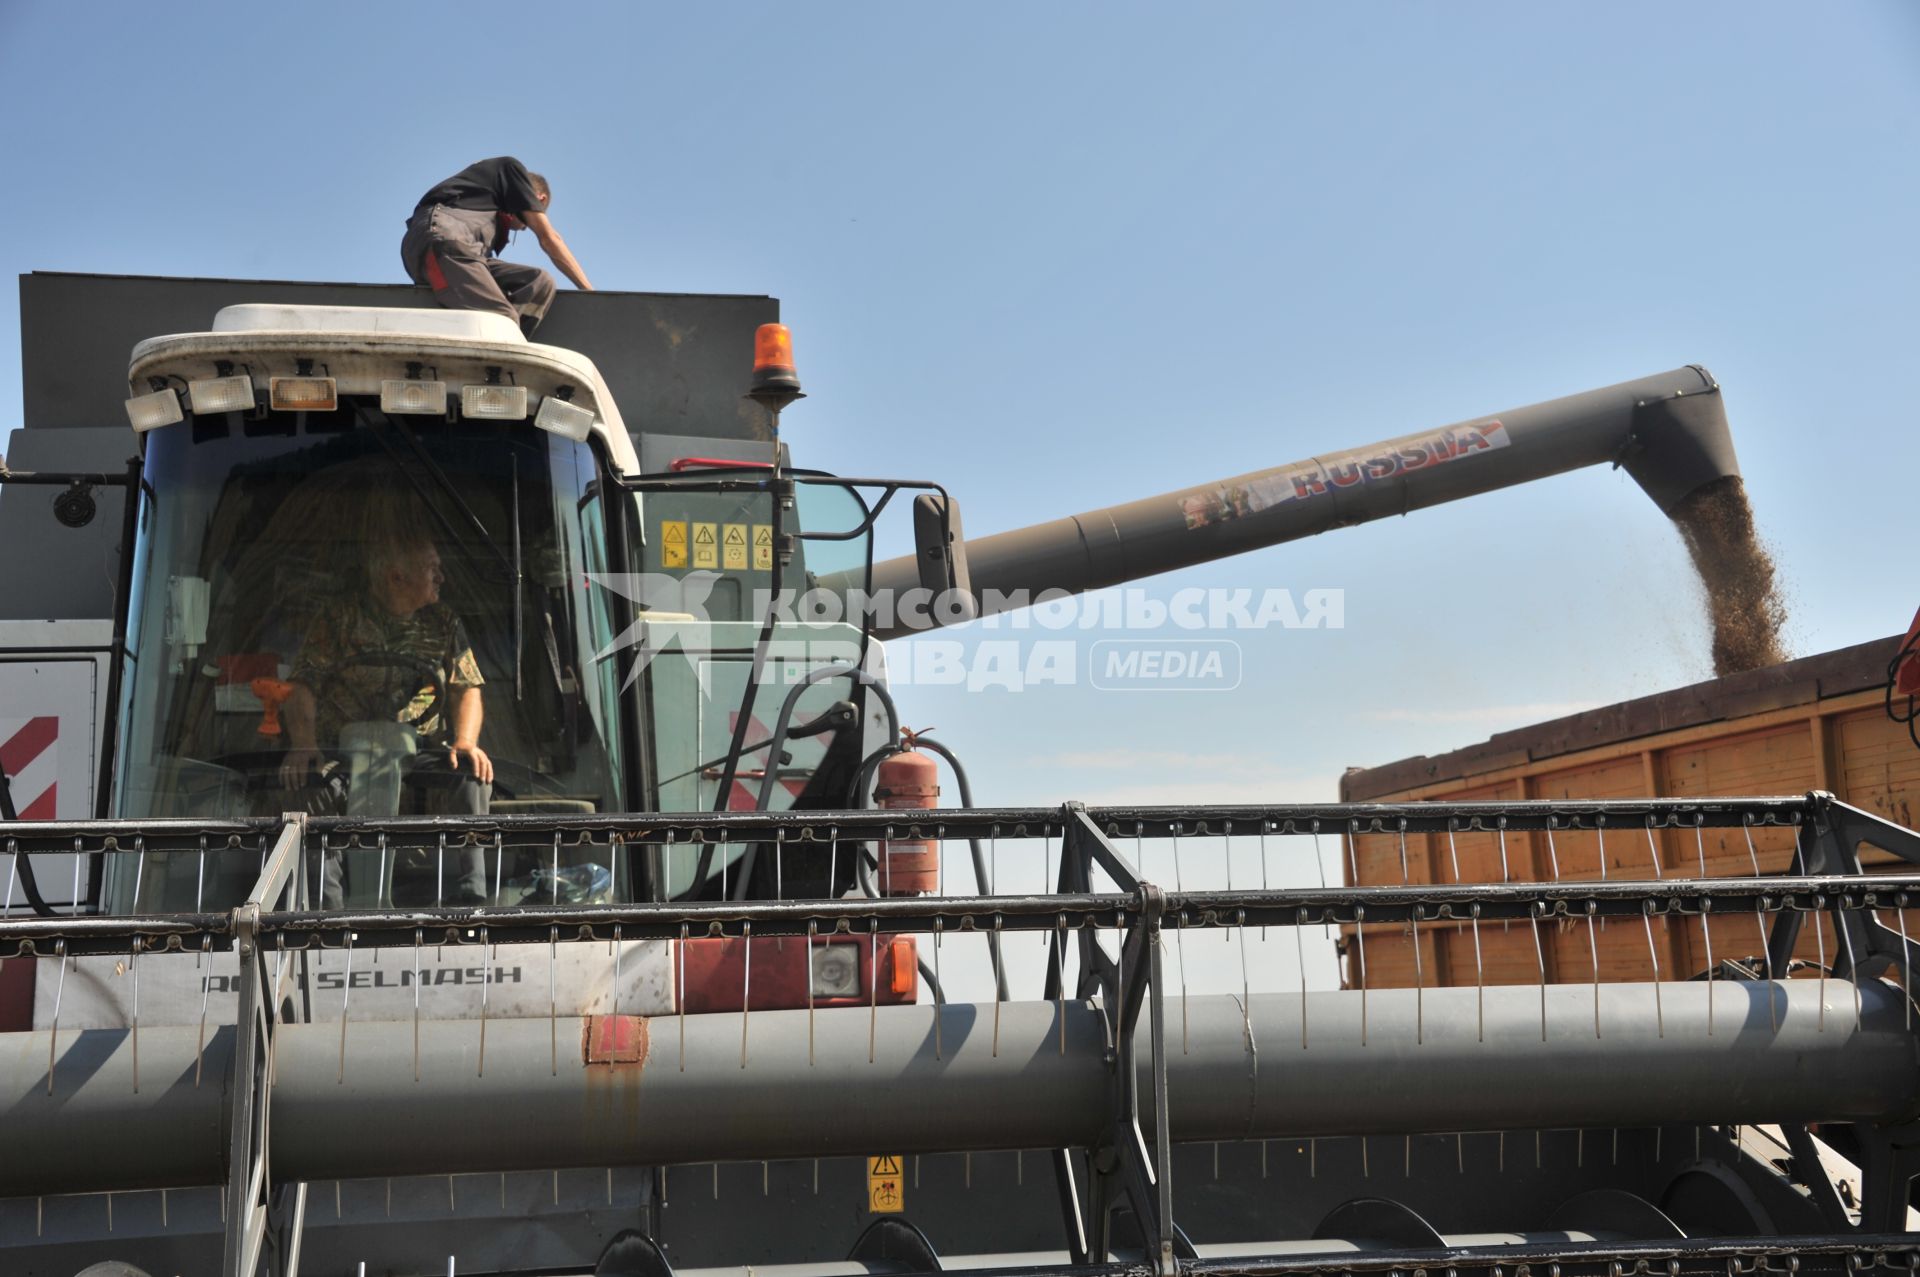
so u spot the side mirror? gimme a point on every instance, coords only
(940, 550)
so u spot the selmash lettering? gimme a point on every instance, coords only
(389, 979)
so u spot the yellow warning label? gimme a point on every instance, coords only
(763, 547)
(733, 547)
(706, 546)
(886, 1186)
(673, 543)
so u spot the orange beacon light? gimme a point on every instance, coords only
(775, 383)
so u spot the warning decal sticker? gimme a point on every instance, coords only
(886, 1186)
(733, 544)
(706, 546)
(763, 547)
(673, 543)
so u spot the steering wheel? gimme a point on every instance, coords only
(388, 658)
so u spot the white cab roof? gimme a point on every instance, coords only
(360, 346)
(473, 325)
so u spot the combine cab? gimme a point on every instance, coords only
(298, 993)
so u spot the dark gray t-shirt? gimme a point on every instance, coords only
(499, 185)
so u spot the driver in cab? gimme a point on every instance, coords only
(394, 654)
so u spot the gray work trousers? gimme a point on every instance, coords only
(447, 249)
(459, 876)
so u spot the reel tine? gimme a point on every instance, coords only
(1653, 955)
(553, 983)
(1419, 984)
(873, 987)
(1653, 851)
(1906, 975)
(1360, 942)
(1263, 868)
(1319, 863)
(1540, 958)
(1300, 955)
(346, 995)
(998, 921)
(133, 970)
(1706, 931)
(59, 988)
(206, 989)
(746, 998)
(1839, 925)
(1246, 992)
(1479, 975)
(418, 938)
(1553, 854)
(1820, 938)
(680, 971)
(1760, 921)
(619, 953)
(1593, 950)
(1180, 953)
(486, 981)
(939, 1052)
(1060, 975)
(1506, 869)
(1227, 844)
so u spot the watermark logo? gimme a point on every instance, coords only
(1164, 665)
(1122, 639)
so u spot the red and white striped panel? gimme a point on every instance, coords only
(30, 756)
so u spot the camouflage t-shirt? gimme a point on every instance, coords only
(364, 664)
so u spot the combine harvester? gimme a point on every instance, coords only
(673, 1003)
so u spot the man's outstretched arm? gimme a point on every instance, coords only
(555, 248)
(297, 716)
(467, 714)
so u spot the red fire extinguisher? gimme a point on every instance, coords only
(908, 781)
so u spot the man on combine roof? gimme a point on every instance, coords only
(459, 226)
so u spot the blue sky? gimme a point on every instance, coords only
(1061, 255)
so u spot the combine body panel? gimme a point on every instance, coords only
(675, 995)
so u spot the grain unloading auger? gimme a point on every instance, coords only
(1478, 1130)
(1668, 431)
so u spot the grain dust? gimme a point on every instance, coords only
(1743, 592)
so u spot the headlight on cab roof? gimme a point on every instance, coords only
(569, 420)
(495, 403)
(221, 394)
(303, 394)
(419, 398)
(148, 412)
